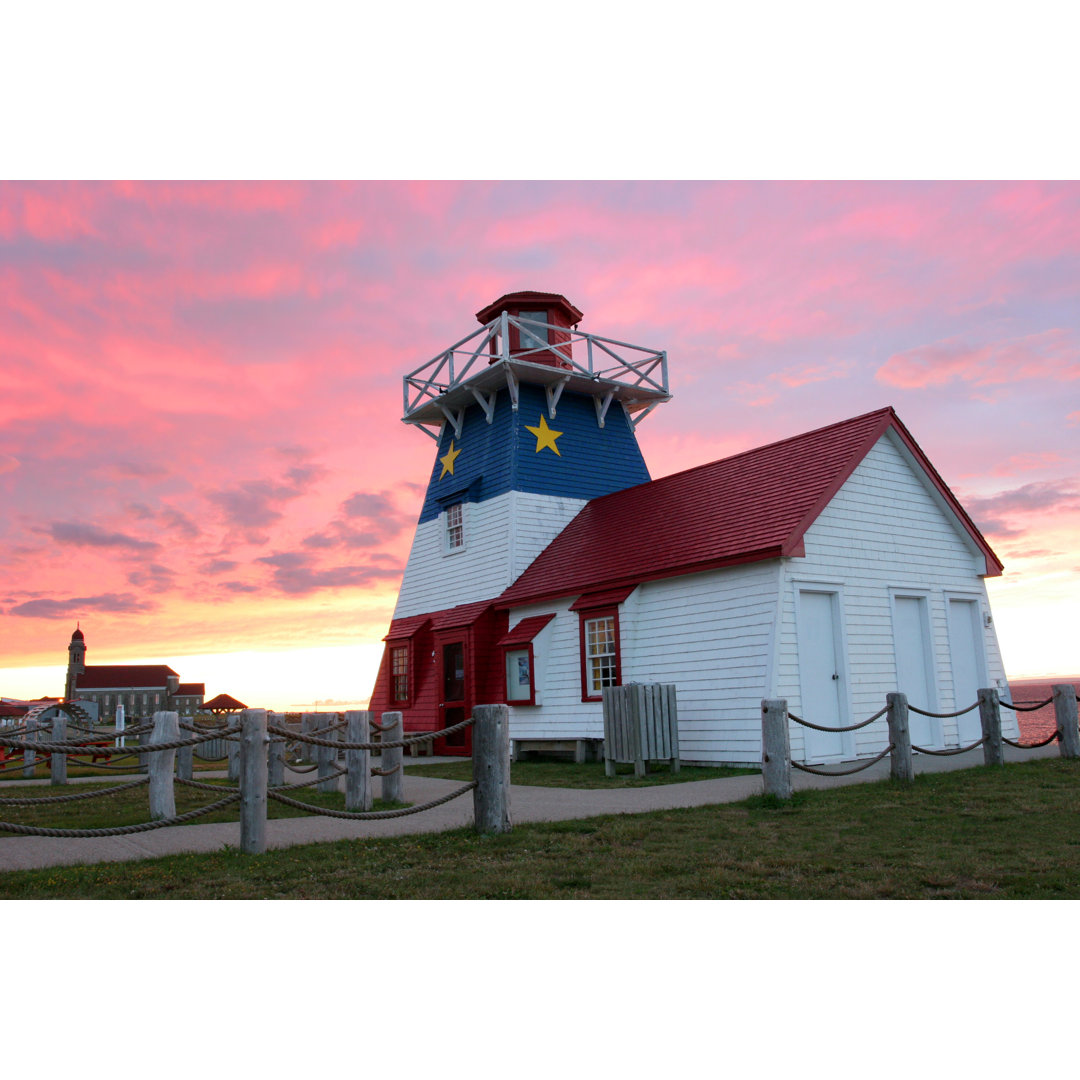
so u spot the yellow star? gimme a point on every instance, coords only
(544, 436)
(448, 460)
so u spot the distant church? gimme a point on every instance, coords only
(142, 689)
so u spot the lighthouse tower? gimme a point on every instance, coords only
(532, 419)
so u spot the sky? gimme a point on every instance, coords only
(202, 460)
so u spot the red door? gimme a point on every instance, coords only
(454, 704)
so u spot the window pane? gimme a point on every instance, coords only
(455, 530)
(533, 330)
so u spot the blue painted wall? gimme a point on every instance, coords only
(501, 456)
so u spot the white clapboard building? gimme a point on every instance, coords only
(828, 568)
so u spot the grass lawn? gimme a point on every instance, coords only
(1007, 833)
(565, 774)
(132, 807)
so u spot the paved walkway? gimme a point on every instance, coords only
(526, 804)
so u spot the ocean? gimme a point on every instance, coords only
(1036, 726)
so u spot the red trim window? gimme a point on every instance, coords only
(399, 674)
(519, 663)
(600, 659)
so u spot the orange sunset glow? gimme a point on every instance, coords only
(202, 460)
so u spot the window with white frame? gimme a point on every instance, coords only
(600, 653)
(455, 527)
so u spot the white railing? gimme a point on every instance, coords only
(606, 360)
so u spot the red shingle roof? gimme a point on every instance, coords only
(125, 676)
(526, 630)
(753, 506)
(225, 702)
(190, 689)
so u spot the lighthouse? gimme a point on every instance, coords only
(531, 418)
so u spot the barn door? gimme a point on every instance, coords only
(820, 677)
(914, 670)
(968, 664)
(454, 703)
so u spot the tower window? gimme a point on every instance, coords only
(455, 527)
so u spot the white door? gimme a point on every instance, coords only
(819, 673)
(968, 664)
(914, 676)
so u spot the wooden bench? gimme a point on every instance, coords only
(582, 749)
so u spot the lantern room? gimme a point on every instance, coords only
(541, 334)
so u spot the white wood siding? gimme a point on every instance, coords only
(883, 530)
(502, 537)
(709, 634)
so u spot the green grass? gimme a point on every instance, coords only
(132, 807)
(1005, 833)
(552, 772)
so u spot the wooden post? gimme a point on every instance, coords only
(58, 762)
(326, 756)
(30, 756)
(144, 760)
(491, 768)
(990, 718)
(253, 776)
(775, 748)
(162, 795)
(901, 767)
(275, 752)
(1065, 711)
(232, 748)
(185, 756)
(358, 762)
(308, 723)
(393, 785)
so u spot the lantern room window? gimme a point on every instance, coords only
(534, 332)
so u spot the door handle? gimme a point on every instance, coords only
(835, 676)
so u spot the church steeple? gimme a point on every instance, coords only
(76, 663)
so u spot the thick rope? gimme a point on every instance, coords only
(1025, 708)
(427, 736)
(369, 815)
(854, 727)
(81, 748)
(201, 786)
(841, 772)
(123, 830)
(5, 801)
(948, 753)
(1031, 745)
(942, 715)
(386, 772)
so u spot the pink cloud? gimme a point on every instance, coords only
(1049, 354)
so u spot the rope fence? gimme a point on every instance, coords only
(777, 762)
(259, 771)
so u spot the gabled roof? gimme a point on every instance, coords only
(753, 506)
(223, 702)
(125, 676)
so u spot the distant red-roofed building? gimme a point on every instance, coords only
(142, 689)
(828, 568)
(223, 703)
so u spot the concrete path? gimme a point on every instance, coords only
(526, 804)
